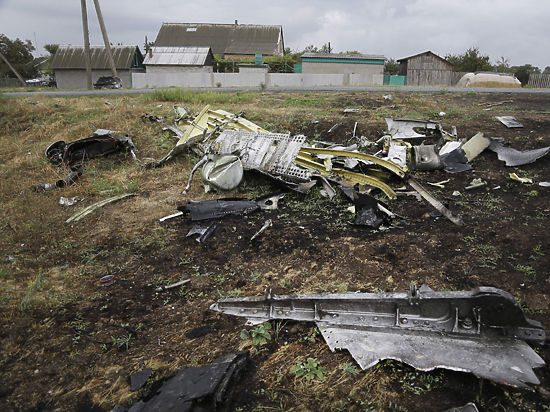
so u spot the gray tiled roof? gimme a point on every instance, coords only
(222, 38)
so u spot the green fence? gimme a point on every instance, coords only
(394, 80)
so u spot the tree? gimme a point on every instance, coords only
(546, 70)
(52, 49)
(325, 48)
(19, 54)
(148, 44)
(470, 61)
(503, 65)
(522, 72)
(391, 67)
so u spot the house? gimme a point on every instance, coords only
(364, 68)
(426, 69)
(229, 41)
(69, 65)
(179, 59)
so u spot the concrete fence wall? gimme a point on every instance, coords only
(142, 80)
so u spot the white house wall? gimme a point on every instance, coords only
(76, 78)
(182, 79)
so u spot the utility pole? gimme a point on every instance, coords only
(13, 70)
(87, 58)
(105, 38)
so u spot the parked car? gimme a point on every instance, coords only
(108, 82)
(47, 81)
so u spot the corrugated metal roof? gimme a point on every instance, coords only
(345, 56)
(180, 56)
(72, 57)
(222, 38)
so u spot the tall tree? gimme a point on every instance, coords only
(52, 49)
(391, 67)
(470, 61)
(503, 65)
(19, 54)
(546, 70)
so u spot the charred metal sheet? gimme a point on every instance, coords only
(514, 157)
(203, 232)
(99, 144)
(194, 389)
(435, 203)
(509, 121)
(411, 128)
(273, 153)
(212, 209)
(483, 331)
(425, 158)
(455, 161)
(223, 172)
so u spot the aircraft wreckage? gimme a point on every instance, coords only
(483, 331)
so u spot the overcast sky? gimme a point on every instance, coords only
(514, 29)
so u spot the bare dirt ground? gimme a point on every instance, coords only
(67, 343)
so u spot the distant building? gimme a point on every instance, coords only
(230, 41)
(179, 59)
(369, 69)
(70, 67)
(426, 69)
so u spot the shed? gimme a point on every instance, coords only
(230, 41)
(426, 69)
(368, 68)
(179, 59)
(70, 66)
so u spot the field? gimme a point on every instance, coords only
(67, 343)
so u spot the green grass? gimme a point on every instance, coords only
(201, 98)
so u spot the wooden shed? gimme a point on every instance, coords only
(426, 69)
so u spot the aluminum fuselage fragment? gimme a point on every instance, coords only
(483, 331)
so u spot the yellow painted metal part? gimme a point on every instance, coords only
(393, 167)
(196, 128)
(307, 161)
(238, 123)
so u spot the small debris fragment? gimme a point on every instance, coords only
(351, 110)
(509, 121)
(475, 183)
(268, 223)
(172, 286)
(203, 232)
(69, 201)
(107, 280)
(544, 184)
(524, 180)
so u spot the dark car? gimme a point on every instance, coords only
(108, 82)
